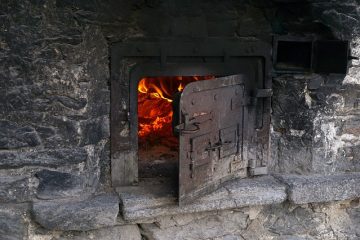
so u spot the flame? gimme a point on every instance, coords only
(180, 88)
(155, 96)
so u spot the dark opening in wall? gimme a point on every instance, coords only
(331, 55)
(294, 55)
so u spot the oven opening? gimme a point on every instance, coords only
(158, 143)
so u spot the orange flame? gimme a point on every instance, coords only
(155, 96)
(180, 88)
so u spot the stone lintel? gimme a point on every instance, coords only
(81, 215)
(321, 188)
(153, 200)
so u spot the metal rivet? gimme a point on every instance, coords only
(215, 97)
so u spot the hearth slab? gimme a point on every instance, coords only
(321, 188)
(153, 199)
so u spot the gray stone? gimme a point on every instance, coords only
(95, 130)
(285, 220)
(54, 185)
(290, 237)
(211, 225)
(321, 188)
(194, 26)
(16, 189)
(13, 136)
(149, 200)
(49, 158)
(126, 232)
(72, 103)
(92, 213)
(253, 23)
(12, 225)
(315, 83)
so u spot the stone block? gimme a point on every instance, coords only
(126, 232)
(82, 215)
(12, 225)
(14, 137)
(189, 26)
(321, 188)
(48, 158)
(150, 200)
(16, 189)
(315, 83)
(71, 103)
(223, 225)
(95, 130)
(53, 185)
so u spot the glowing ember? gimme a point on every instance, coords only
(155, 111)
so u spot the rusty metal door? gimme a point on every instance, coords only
(211, 135)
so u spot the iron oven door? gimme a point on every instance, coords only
(211, 135)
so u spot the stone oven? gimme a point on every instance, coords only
(210, 131)
(179, 119)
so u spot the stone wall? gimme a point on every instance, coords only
(54, 117)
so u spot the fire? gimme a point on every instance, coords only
(155, 111)
(180, 88)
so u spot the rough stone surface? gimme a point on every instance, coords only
(277, 222)
(54, 185)
(222, 225)
(12, 136)
(320, 188)
(126, 232)
(55, 98)
(48, 158)
(95, 212)
(16, 189)
(12, 224)
(150, 201)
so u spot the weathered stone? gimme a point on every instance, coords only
(72, 103)
(149, 200)
(45, 132)
(16, 189)
(13, 136)
(315, 83)
(292, 221)
(95, 130)
(12, 225)
(321, 188)
(54, 185)
(250, 23)
(210, 225)
(50, 158)
(126, 232)
(92, 213)
(194, 26)
(292, 154)
(59, 48)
